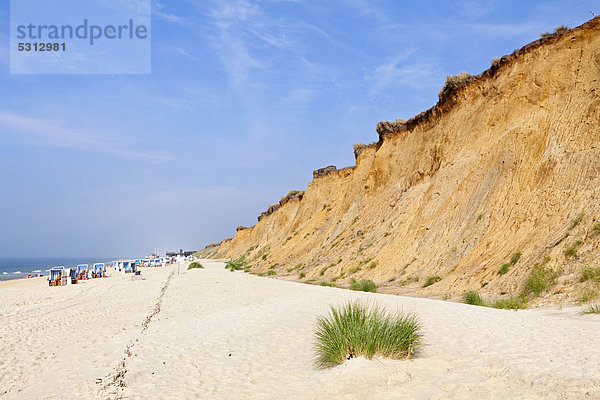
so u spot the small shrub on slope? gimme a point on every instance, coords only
(431, 280)
(472, 298)
(364, 285)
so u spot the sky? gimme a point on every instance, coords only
(244, 100)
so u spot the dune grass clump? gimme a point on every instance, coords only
(592, 309)
(504, 269)
(473, 298)
(364, 285)
(325, 283)
(195, 265)
(511, 303)
(431, 280)
(357, 329)
(237, 265)
(301, 275)
(596, 229)
(271, 272)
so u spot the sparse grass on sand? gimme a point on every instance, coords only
(325, 283)
(592, 309)
(237, 265)
(587, 295)
(195, 265)
(357, 329)
(511, 303)
(364, 285)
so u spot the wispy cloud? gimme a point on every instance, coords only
(243, 29)
(159, 11)
(45, 132)
(400, 72)
(502, 30)
(472, 9)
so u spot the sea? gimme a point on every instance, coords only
(17, 268)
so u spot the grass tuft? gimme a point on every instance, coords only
(356, 329)
(195, 265)
(515, 258)
(504, 269)
(512, 303)
(237, 265)
(271, 272)
(596, 229)
(325, 283)
(431, 280)
(590, 274)
(577, 220)
(298, 266)
(364, 285)
(539, 280)
(301, 275)
(473, 298)
(561, 28)
(592, 309)
(572, 249)
(587, 295)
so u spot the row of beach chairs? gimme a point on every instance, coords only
(60, 276)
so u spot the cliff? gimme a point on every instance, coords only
(507, 162)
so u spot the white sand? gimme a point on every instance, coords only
(214, 334)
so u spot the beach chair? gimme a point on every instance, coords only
(128, 267)
(98, 270)
(82, 271)
(55, 276)
(69, 276)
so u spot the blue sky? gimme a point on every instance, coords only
(245, 99)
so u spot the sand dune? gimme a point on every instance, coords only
(216, 334)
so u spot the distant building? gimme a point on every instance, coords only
(180, 252)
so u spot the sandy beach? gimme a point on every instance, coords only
(215, 334)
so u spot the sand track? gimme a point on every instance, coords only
(214, 334)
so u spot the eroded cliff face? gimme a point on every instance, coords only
(502, 165)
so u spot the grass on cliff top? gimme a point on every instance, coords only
(357, 329)
(195, 265)
(364, 285)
